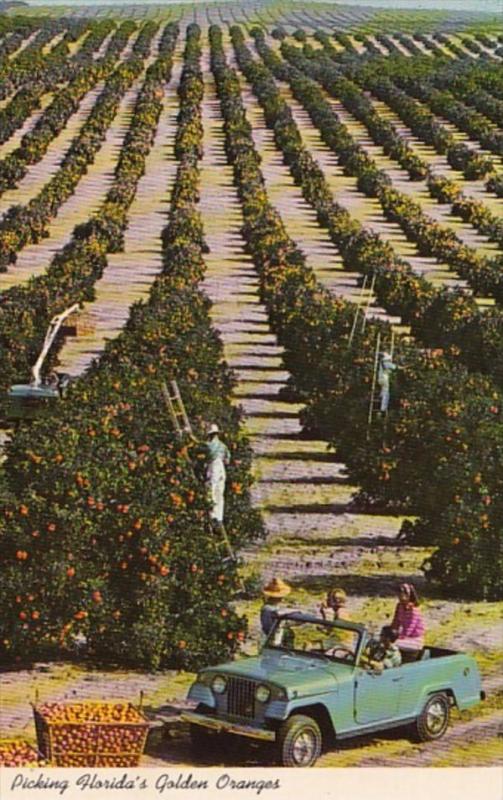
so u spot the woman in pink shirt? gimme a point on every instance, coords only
(408, 622)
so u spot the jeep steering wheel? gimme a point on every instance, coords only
(339, 649)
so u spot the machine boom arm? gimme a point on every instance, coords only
(52, 331)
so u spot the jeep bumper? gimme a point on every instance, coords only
(223, 725)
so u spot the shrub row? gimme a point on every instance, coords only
(495, 184)
(26, 65)
(476, 125)
(58, 69)
(450, 45)
(124, 553)
(34, 144)
(469, 209)
(460, 324)
(431, 46)
(13, 38)
(25, 311)
(380, 80)
(25, 224)
(431, 238)
(430, 429)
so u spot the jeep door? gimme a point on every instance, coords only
(377, 694)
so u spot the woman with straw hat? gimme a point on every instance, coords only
(273, 592)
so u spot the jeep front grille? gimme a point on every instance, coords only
(241, 697)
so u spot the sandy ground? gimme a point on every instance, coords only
(315, 538)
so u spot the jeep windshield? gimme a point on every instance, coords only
(316, 638)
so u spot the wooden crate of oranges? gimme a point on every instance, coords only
(91, 734)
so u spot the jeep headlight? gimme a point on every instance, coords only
(219, 684)
(262, 693)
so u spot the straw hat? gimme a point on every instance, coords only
(276, 588)
(213, 429)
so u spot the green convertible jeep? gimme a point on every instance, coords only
(310, 687)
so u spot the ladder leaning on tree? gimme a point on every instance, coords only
(182, 425)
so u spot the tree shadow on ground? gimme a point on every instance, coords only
(279, 455)
(320, 480)
(308, 508)
(376, 585)
(172, 745)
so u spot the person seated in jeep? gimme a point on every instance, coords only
(384, 653)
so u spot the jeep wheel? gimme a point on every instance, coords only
(434, 718)
(299, 742)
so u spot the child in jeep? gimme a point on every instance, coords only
(385, 653)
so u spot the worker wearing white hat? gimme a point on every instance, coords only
(386, 367)
(219, 456)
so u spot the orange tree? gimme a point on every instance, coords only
(108, 536)
(442, 415)
(26, 311)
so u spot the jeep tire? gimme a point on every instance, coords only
(299, 742)
(433, 720)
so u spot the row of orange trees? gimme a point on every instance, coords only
(25, 224)
(14, 31)
(36, 74)
(431, 238)
(25, 311)
(385, 134)
(438, 317)
(31, 61)
(415, 114)
(35, 142)
(438, 456)
(108, 535)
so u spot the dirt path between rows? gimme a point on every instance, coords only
(313, 537)
(40, 173)
(88, 195)
(129, 274)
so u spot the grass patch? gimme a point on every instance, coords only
(486, 754)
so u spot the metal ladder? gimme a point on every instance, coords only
(181, 423)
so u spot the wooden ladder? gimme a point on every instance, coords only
(176, 408)
(181, 423)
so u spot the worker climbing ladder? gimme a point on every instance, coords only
(182, 426)
(383, 364)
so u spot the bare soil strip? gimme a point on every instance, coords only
(40, 173)
(129, 274)
(298, 216)
(90, 192)
(366, 210)
(15, 139)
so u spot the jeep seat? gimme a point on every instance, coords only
(408, 656)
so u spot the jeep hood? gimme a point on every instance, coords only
(300, 673)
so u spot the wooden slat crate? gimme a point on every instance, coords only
(91, 734)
